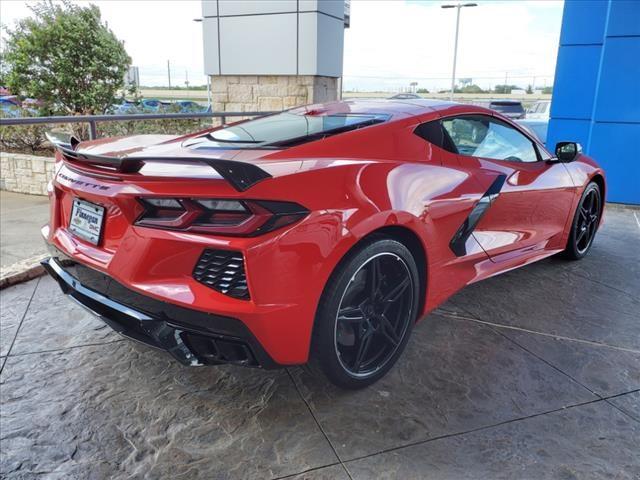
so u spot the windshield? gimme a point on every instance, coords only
(287, 129)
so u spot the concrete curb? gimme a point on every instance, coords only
(622, 206)
(22, 271)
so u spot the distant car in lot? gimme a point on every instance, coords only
(32, 105)
(10, 100)
(405, 96)
(539, 110)
(10, 106)
(8, 110)
(125, 108)
(188, 106)
(154, 105)
(536, 127)
(512, 109)
(321, 233)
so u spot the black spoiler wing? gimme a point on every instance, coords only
(240, 175)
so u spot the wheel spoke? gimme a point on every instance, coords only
(351, 315)
(388, 331)
(363, 348)
(580, 236)
(391, 297)
(590, 231)
(590, 201)
(376, 276)
(584, 213)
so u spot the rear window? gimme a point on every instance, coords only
(287, 129)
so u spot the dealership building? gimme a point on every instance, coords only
(275, 54)
(272, 54)
(596, 93)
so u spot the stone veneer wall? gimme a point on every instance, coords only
(246, 93)
(25, 173)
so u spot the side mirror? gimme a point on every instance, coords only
(567, 151)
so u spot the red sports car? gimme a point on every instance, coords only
(319, 234)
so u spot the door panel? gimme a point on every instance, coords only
(531, 208)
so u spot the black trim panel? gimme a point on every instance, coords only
(459, 240)
(240, 175)
(191, 336)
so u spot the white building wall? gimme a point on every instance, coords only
(273, 37)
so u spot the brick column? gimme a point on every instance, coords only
(244, 93)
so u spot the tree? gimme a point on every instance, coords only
(66, 57)
(470, 88)
(529, 89)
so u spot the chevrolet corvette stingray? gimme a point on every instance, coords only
(319, 234)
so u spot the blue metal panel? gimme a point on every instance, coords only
(624, 18)
(576, 78)
(619, 88)
(617, 149)
(583, 22)
(567, 131)
(596, 95)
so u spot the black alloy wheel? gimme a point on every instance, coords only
(588, 218)
(585, 223)
(366, 314)
(374, 314)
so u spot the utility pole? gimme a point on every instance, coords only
(169, 72)
(455, 45)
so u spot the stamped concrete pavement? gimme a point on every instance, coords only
(532, 374)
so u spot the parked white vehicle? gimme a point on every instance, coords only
(539, 110)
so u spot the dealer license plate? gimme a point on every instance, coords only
(86, 220)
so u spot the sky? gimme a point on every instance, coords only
(389, 44)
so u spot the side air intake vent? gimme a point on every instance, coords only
(223, 270)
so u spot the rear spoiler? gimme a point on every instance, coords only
(240, 175)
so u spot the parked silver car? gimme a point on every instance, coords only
(539, 110)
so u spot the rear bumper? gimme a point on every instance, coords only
(285, 270)
(192, 337)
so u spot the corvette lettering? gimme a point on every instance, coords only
(81, 183)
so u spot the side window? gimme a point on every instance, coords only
(483, 136)
(433, 133)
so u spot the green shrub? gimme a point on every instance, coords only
(65, 56)
(158, 127)
(31, 139)
(23, 139)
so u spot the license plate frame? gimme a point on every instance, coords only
(87, 220)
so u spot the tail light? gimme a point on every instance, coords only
(218, 216)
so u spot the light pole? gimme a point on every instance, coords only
(457, 6)
(199, 20)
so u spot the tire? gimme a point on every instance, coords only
(585, 223)
(358, 334)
